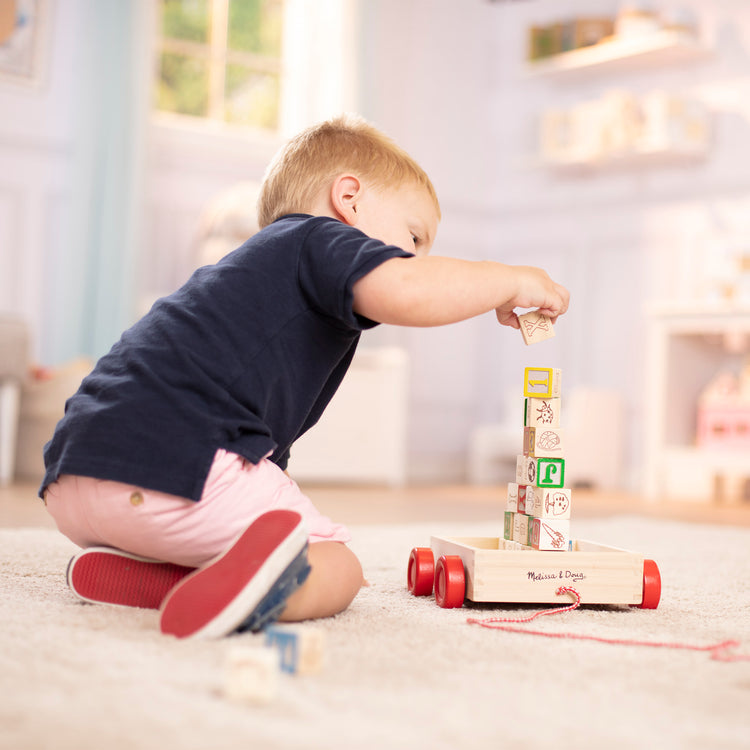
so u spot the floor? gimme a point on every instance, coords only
(19, 505)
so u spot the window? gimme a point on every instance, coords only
(220, 60)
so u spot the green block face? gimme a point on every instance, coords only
(508, 531)
(550, 472)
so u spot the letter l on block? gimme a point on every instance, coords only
(550, 472)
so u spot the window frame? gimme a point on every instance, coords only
(309, 92)
(217, 55)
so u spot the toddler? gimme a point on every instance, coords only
(168, 468)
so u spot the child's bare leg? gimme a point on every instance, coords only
(334, 581)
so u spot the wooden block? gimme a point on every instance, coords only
(540, 472)
(550, 472)
(522, 494)
(522, 528)
(541, 412)
(550, 535)
(547, 503)
(535, 327)
(509, 525)
(252, 674)
(542, 382)
(300, 648)
(542, 442)
(511, 503)
(521, 471)
(509, 545)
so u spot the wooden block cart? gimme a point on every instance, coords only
(480, 569)
(535, 555)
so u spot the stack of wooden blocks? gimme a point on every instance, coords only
(537, 514)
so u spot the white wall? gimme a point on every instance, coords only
(447, 80)
(452, 87)
(36, 151)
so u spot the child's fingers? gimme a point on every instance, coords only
(507, 318)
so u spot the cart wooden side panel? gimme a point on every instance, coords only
(600, 574)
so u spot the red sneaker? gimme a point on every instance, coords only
(244, 588)
(111, 576)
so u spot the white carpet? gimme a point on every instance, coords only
(399, 672)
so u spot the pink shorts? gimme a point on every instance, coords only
(92, 512)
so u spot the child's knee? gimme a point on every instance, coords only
(338, 568)
(334, 581)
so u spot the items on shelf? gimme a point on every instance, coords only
(639, 19)
(634, 20)
(622, 125)
(563, 36)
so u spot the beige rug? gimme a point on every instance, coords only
(399, 672)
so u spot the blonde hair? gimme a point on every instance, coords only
(309, 162)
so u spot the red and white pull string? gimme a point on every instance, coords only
(719, 651)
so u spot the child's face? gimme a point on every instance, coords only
(405, 217)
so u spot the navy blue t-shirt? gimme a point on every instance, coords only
(245, 357)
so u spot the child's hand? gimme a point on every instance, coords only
(535, 290)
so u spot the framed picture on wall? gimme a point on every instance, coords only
(22, 24)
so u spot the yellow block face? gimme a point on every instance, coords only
(542, 382)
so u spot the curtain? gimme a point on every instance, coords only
(90, 288)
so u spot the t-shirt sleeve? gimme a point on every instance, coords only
(333, 257)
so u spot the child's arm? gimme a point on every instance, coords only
(434, 290)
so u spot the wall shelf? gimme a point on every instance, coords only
(663, 157)
(661, 48)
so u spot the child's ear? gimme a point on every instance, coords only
(346, 192)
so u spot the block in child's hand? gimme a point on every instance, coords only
(535, 327)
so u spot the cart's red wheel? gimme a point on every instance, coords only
(421, 572)
(450, 583)
(651, 585)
